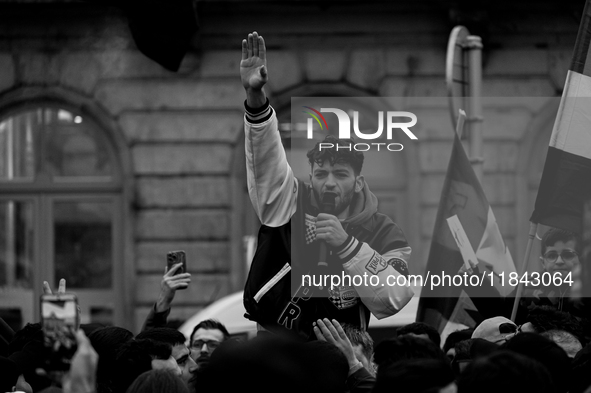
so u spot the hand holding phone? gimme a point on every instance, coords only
(174, 258)
(175, 278)
(60, 320)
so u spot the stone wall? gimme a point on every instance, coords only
(183, 129)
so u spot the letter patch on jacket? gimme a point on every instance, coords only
(376, 264)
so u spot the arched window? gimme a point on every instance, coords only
(60, 212)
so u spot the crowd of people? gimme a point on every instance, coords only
(311, 339)
(548, 353)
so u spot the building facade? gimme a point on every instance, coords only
(108, 161)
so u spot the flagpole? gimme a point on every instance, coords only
(474, 46)
(460, 123)
(581, 51)
(533, 228)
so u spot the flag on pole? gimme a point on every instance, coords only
(463, 197)
(564, 195)
(566, 180)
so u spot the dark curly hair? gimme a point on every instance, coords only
(554, 235)
(335, 154)
(546, 318)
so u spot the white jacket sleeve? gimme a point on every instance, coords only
(386, 297)
(272, 186)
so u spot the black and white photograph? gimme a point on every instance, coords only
(295, 196)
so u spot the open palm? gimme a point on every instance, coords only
(253, 66)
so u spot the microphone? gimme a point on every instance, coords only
(327, 206)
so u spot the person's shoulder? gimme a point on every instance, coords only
(381, 217)
(382, 226)
(383, 221)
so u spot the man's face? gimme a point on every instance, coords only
(166, 364)
(182, 356)
(205, 341)
(338, 179)
(562, 265)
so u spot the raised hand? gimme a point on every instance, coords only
(61, 289)
(253, 67)
(171, 282)
(332, 331)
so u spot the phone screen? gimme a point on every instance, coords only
(59, 315)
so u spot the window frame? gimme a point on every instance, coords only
(41, 180)
(43, 192)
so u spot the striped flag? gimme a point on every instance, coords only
(566, 179)
(462, 196)
(564, 195)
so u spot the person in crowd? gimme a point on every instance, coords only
(507, 372)
(415, 376)
(453, 338)
(496, 330)
(171, 282)
(180, 352)
(547, 353)
(333, 363)
(406, 347)
(26, 350)
(546, 321)
(206, 337)
(468, 350)
(139, 356)
(360, 377)
(581, 371)
(362, 345)
(81, 377)
(272, 363)
(82, 374)
(565, 340)
(462, 356)
(564, 329)
(543, 318)
(158, 381)
(337, 211)
(560, 254)
(421, 330)
(107, 342)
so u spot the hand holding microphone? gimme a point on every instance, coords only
(328, 206)
(329, 229)
(323, 229)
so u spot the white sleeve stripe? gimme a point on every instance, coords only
(349, 249)
(271, 283)
(259, 117)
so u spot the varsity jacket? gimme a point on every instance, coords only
(277, 295)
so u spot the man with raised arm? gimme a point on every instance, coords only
(336, 212)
